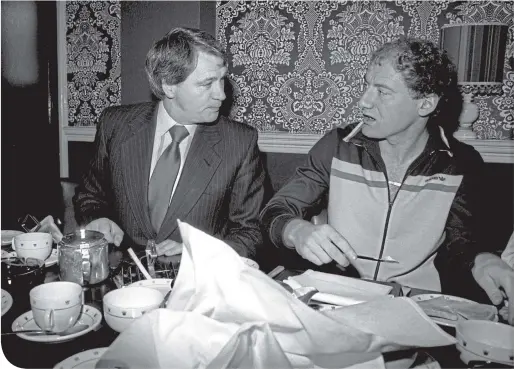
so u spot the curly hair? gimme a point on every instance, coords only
(426, 70)
(174, 57)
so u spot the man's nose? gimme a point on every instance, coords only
(219, 92)
(366, 100)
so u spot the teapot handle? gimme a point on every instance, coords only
(86, 271)
(86, 266)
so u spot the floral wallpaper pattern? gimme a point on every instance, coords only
(297, 66)
(93, 59)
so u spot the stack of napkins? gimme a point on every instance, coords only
(223, 314)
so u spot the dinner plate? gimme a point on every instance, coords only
(6, 301)
(7, 237)
(51, 260)
(442, 321)
(163, 285)
(89, 316)
(83, 360)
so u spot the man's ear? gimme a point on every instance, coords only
(169, 90)
(427, 105)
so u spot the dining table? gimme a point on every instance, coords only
(27, 354)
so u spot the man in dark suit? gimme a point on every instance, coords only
(176, 158)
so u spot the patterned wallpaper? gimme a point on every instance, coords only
(93, 53)
(298, 66)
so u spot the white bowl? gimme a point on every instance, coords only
(163, 285)
(485, 341)
(37, 245)
(122, 306)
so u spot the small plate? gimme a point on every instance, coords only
(442, 321)
(51, 260)
(163, 285)
(89, 316)
(7, 237)
(83, 360)
(6, 301)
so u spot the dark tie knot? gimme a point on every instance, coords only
(178, 133)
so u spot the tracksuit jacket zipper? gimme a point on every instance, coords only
(411, 168)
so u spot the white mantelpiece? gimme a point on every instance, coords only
(492, 151)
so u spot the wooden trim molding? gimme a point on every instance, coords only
(291, 143)
(81, 134)
(62, 87)
(492, 151)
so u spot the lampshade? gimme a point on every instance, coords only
(478, 51)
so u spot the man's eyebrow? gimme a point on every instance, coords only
(211, 78)
(383, 85)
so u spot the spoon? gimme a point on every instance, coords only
(39, 332)
(304, 294)
(164, 302)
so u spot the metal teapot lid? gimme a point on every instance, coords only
(83, 238)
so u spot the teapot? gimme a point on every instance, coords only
(83, 257)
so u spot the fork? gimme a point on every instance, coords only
(151, 256)
(388, 259)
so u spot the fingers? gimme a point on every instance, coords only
(117, 233)
(56, 233)
(321, 244)
(168, 248)
(309, 255)
(341, 243)
(490, 287)
(112, 232)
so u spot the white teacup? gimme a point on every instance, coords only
(37, 245)
(56, 306)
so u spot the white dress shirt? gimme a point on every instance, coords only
(162, 140)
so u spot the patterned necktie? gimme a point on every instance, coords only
(164, 176)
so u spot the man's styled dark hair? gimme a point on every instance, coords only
(174, 57)
(426, 70)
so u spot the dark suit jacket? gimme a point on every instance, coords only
(220, 190)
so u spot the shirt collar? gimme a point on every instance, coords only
(165, 122)
(437, 141)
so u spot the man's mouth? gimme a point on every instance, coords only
(368, 119)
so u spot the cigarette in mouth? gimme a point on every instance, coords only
(353, 132)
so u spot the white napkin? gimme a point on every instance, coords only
(337, 289)
(223, 313)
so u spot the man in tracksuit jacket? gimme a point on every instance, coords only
(399, 188)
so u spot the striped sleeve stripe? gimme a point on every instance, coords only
(431, 187)
(359, 179)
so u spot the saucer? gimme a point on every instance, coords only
(160, 284)
(86, 359)
(6, 301)
(51, 260)
(7, 237)
(89, 316)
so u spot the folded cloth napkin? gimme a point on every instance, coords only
(227, 307)
(337, 289)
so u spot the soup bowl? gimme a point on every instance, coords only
(122, 306)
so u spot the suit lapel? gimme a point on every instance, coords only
(201, 164)
(136, 162)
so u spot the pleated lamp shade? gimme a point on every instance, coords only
(478, 51)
